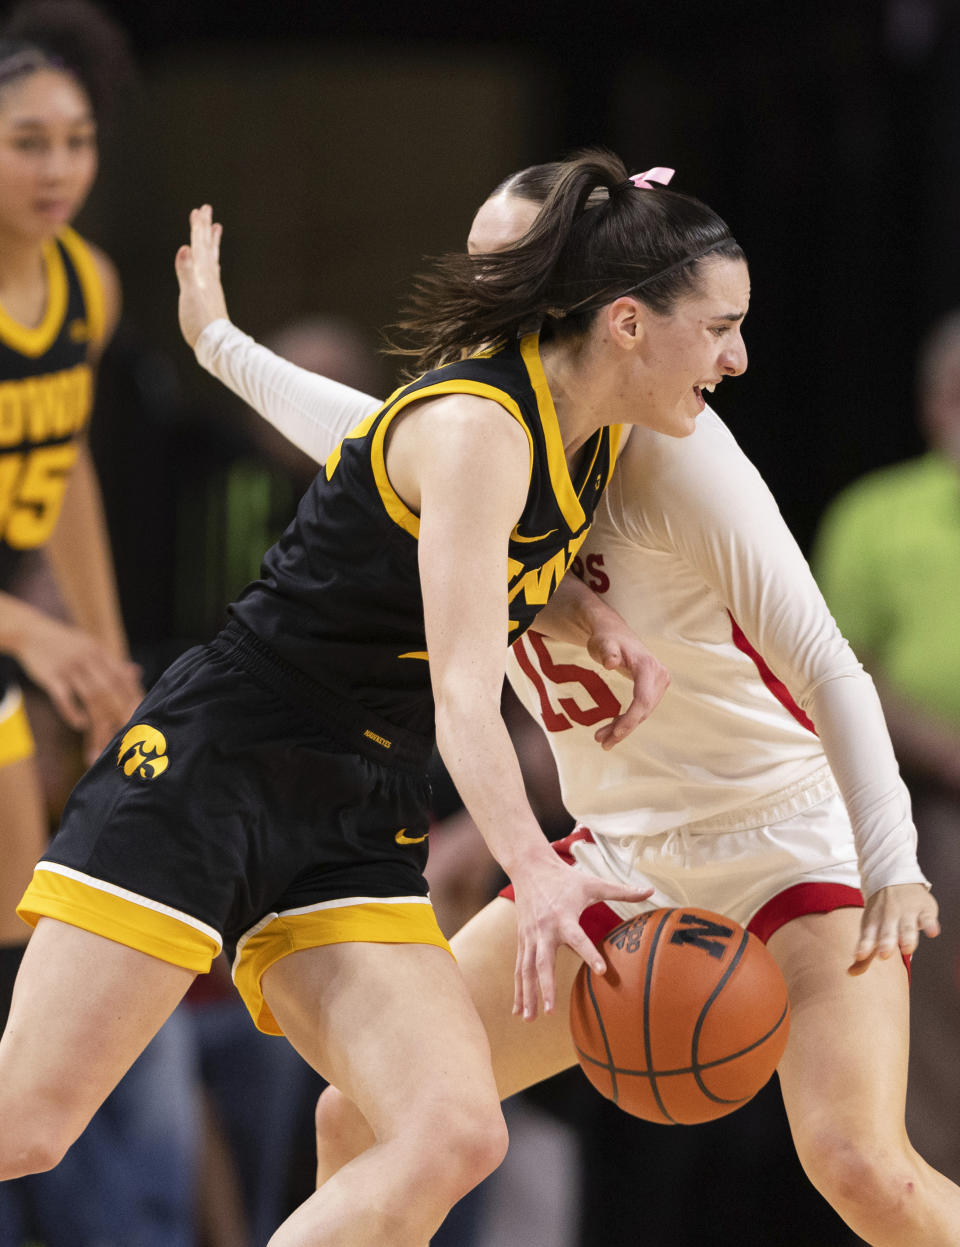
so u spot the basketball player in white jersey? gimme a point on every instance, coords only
(764, 787)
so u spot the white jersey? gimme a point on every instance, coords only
(688, 545)
(768, 711)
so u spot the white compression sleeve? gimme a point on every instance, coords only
(311, 411)
(850, 723)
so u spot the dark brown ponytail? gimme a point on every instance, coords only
(596, 238)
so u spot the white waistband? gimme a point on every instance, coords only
(773, 808)
(802, 794)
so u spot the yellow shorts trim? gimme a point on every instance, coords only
(60, 892)
(16, 739)
(403, 920)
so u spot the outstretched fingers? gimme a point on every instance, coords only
(197, 266)
(535, 972)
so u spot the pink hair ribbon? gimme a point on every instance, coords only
(647, 180)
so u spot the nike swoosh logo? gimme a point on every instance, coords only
(402, 838)
(516, 535)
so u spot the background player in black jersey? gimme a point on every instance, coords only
(269, 791)
(59, 302)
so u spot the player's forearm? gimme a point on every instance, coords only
(18, 620)
(846, 712)
(479, 755)
(79, 556)
(312, 412)
(575, 613)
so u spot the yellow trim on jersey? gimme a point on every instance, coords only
(416, 653)
(563, 487)
(90, 283)
(394, 505)
(358, 920)
(16, 739)
(38, 339)
(60, 892)
(358, 430)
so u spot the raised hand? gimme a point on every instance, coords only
(198, 272)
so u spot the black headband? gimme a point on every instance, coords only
(602, 301)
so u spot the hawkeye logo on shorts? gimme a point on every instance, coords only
(143, 752)
(402, 838)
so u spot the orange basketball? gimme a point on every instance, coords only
(688, 1022)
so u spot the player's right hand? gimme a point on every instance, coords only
(198, 272)
(550, 897)
(93, 689)
(621, 650)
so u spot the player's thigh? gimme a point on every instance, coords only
(23, 836)
(845, 1064)
(84, 1009)
(390, 1025)
(523, 1053)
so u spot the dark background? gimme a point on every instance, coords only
(341, 143)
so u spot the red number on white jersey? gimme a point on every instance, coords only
(538, 666)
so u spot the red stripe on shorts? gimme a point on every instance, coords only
(802, 898)
(806, 898)
(597, 920)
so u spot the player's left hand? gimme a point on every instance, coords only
(623, 651)
(198, 273)
(892, 921)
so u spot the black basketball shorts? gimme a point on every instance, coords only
(244, 808)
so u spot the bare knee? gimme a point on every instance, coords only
(38, 1127)
(26, 1147)
(465, 1143)
(453, 1142)
(342, 1132)
(862, 1178)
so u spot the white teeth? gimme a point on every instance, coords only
(711, 387)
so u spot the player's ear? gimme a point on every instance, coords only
(626, 321)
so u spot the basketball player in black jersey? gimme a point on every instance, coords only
(269, 794)
(59, 301)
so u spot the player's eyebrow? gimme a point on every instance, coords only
(36, 123)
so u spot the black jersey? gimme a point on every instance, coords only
(339, 594)
(46, 391)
